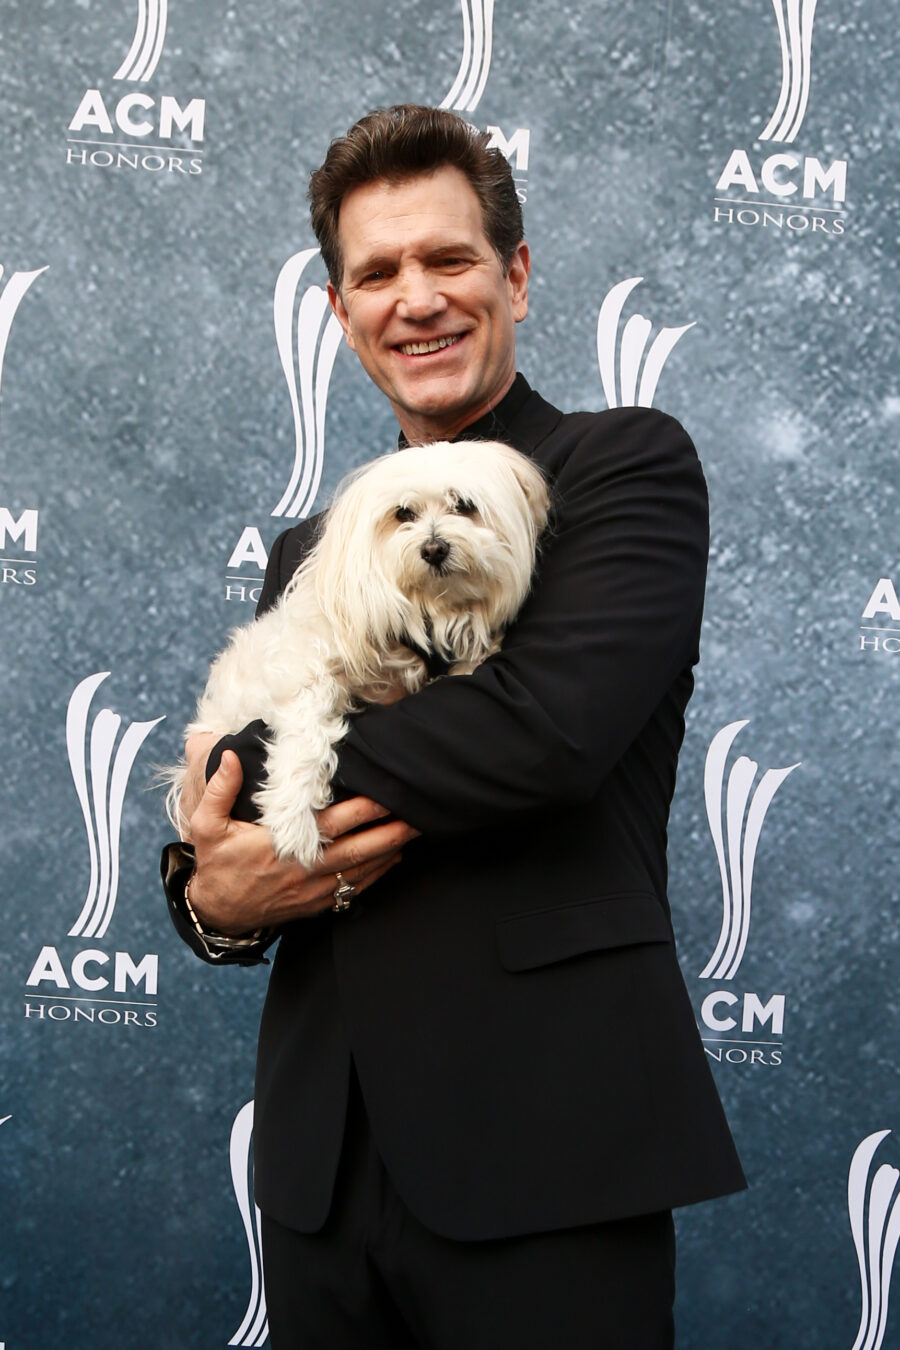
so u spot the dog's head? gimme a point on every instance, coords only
(436, 543)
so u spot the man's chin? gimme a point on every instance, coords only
(444, 402)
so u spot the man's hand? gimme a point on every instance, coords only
(239, 885)
(196, 751)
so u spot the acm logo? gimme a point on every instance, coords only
(23, 527)
(100, 761)
(736, 809)
(873, 1201)
(883, 605)
(802, 185)
(137, 115)
(629, 371)
(18, 532)
(308, 337)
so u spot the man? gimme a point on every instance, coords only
(480, 1090)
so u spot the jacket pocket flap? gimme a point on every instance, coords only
(526, 941)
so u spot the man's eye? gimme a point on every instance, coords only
(464, 508)
(404, 514)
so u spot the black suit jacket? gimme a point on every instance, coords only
(510, 994)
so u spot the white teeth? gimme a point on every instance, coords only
(421, 348)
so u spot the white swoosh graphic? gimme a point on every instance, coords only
(607, 330)
(146, 47)
(254, 1328)
(307, 374)
(806, 27)
(634, 340)
(743, 827)
(795, 37)
(12, 296)
(76, 729)
(713, 779)
(101, 801)
(103, 735)
(875, 1241)
(635, 335)
(131, 742)
(762, 799)
(657, 356)
(891, 1240)
(740, 781)
(465, 93)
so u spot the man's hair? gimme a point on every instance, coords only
(399, 143)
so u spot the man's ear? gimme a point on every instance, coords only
(517, 280)
(340, 312)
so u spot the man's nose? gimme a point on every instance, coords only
(420, 296)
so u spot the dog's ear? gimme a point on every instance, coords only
(532, 482)
(362, 601)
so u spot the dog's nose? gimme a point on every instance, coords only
(435, 551)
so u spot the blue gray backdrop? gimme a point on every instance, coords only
(721, 167)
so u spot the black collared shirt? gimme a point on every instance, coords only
(493, 426)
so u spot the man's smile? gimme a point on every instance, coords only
(429, 345)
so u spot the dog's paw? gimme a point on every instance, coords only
(294, 835)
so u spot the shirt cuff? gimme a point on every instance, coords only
(176, 868)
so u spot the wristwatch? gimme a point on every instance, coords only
(176, 869)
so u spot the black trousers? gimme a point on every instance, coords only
(375, 1279)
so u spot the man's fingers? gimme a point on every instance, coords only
(214, 807)
(353, 846)
(349, 815)
(356, 850)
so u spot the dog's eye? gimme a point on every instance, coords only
(464, 508)
(404, 514)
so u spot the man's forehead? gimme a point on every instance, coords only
(441, 204)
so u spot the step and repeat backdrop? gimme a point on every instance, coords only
(710, 198)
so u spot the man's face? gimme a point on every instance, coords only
(424, 301)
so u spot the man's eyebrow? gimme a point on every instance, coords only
(372, 263)
(443, 250)
(375, 262)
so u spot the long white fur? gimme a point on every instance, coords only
(334, 640)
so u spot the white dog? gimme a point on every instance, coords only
(429, 550)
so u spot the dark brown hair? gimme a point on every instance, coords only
(402, 142)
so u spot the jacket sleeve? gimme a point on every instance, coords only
(285, 555)
(612, 620)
